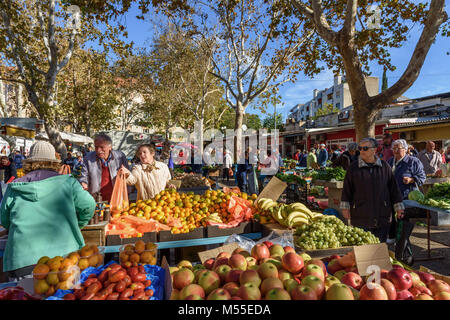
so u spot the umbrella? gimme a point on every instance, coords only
(185, 145)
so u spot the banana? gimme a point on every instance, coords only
(298, 216)
(299, 222)
(262, 202)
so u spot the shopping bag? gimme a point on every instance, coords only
(119, 197)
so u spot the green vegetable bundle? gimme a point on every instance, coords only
(328, 174)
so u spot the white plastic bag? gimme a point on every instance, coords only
(243, 242)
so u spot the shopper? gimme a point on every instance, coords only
(18, 158)
(347, 157)
(442, 152)
(311, 160)
(297, 155)
(9, 169)
(412, 151)
(335, 153)
(386, 149)
(100, 167)
(149, 176)
(370, 191)
(430, 158)
(43, 212)
(410, 175)
(70, 161)
(243, 170)
(302, 159)
(323, 156)
(227, 165)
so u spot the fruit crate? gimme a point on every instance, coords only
(296, 193)
(197, 233)
(323, 253)
(215, 231)
(115, 240)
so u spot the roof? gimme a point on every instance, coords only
(24, 123)
(439, 95)
(418, 121)
(72, 137)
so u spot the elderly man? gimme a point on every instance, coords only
(386, 150)
(346, 157)
(370, 192)
(430, 158)
(100, 167)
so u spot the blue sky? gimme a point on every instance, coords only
(434, 77)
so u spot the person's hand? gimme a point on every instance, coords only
(408, 180)
(124, 171)
(171, 186)
(400, 214)
(346, 213)
(84, 185)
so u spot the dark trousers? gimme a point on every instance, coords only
(226, 174)
(380, 232)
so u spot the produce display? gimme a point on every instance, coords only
(15, 293)
(291, 216)
(291, 179)
(330, 232)
(183, 212)
(131, 255)
(20, 173)
(273, 272)
(115, 282)
(51, 274)
(329, 174)
(193, 181)
(437, 196)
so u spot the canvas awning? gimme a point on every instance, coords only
(68, 136)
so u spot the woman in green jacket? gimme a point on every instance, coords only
(43, 212)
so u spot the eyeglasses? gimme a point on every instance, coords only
(364, 148)
(397, 148)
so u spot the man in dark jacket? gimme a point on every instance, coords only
(346, 157)
(302, 159)
(8, 167)
(370, 192)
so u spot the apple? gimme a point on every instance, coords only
(442, 296)
(260, 251)
(238, 261)
(303, 293)
(219, 294)
(400, 278)
(339, 274)
(250, 276)
(355, 293)
(313, 270)
(233, 275)
(339, 291)
(175, 295)
(284, 275)
(184, 264)
(198, 273)
(425, 277)
(220, 262)
(384, 273)
(288, 249)
(183, 278)
(423, 296)
(389, 288)
(330, 280)
(242, 252)
(319, 263)
(194, 297)
(316, 284)
(191, 290)
(236, 298)
(277, 294)
(222, 271)
(276, 250)
(305, 256)
(404, 295)
(209, 281)
(376, 292)
(223, 254)
(415, 277)
(268, 244)
(231, 287)
(209, 263)
(251, 261)
(267, 270)
(273, 260)
(249, 291)
(290, 284)
(269, 284)
(423, 289)
(292, 262)
(353, 280)
(437, 286)
(334, 266)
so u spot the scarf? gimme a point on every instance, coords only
(149, 167)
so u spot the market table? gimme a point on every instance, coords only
(428, 209)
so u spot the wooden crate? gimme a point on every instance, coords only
(95, 234)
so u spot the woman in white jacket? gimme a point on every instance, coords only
(227, 166)
(150, 176)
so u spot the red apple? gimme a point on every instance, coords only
(277, 294)
(284, 275)
(267, 270)
(316, 284)
(415, 277)
(404, 295)
(288, 249)
(219, 294)
(353, 280)
(269, 284)
(339, 274)
(249, 291)
(437, 286)
(268, 244)
(223, 254)
(377, 292)
(384, 273)
(442, 296)
(220, 262)
(238, 261)
(339, 291)
(260, 251)
(400, 278)
(303, 293)
(389, 288)
(425, 277)
(334, 266)
(231, 287)
(233, 275)
(209, 263)
(250, 276)
(292, 262)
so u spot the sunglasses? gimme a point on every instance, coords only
(364, 148)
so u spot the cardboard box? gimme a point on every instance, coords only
(215, 231)
(115, 240)
(197, 233)
(273, 190)
(372, 254)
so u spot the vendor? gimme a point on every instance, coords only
(43, 212)
(9, 168)
(150, 176)
(100, 168)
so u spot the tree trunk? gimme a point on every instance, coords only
(55, 139)
(364, 117)
(240, 109)
(200, 139)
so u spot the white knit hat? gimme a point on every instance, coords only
(42, 151)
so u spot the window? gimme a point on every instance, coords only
(338, 105)
(330, 96)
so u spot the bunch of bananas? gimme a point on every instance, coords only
(214, 217)
(291, 216)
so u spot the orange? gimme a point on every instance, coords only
(83, 263)
(64, 274)
(86, 251)
(123, 257)
(41, 287)
(135, 258)
(66, 263)
(64, 285)
(93, 260)
(40, 271)
(52, 278)
(43, 260)
(74, 256)
(54, 264)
